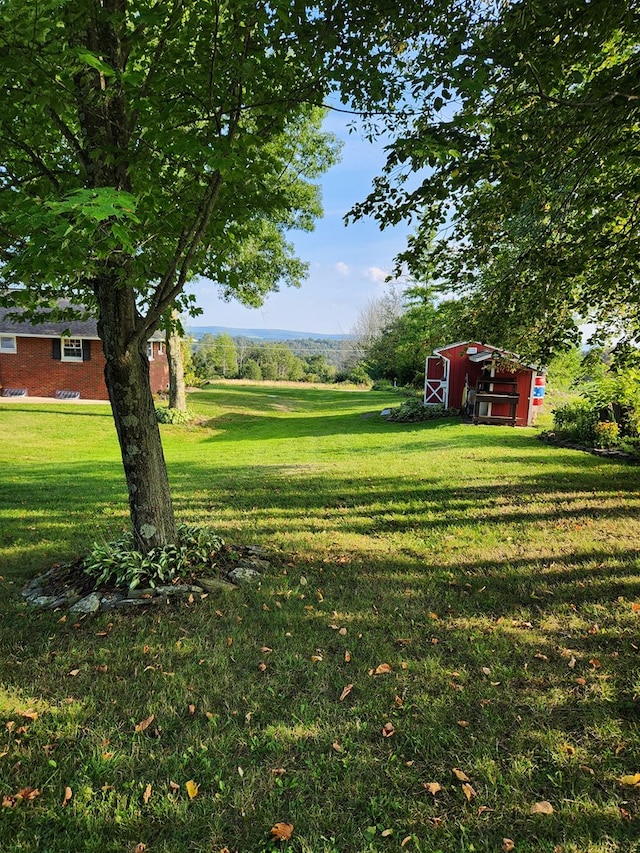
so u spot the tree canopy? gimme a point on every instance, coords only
(144, 142)
(525, 144)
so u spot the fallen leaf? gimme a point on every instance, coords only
(635, 607)
(347, 656)
(382, 669)
(568, 749)
(8, 802)
(399, 701)
(386, 833)
(543, 807)
(486, 670)
(433, 616)
(342, 632)
(278, 771)
(572, 662)
(388, 730)
(507, 845)
(192, 788)
(586, 769)
(468, 791)
(631, 780)
(460, 775)
(336, 746)
(174, 786)
(9, 726)
(29, 714)
(144, 724)
(102, 668)
(192, 709)
(483, 809)
(147, 795)
(282, 831)
(28, 794)
(624, 814)
(316, 658)
(463, 723)
(595, 663)
(405, 840)
(539, 656)
(345, 692)
(139, 848)
(432, 787)
(68, 794)
(262, 666)
(74, 672)
(266, 650)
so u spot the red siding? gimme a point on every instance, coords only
(460, 367)
(34, 368)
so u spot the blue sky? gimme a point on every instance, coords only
(347, 265)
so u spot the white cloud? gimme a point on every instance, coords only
(377, 275)
(342, 268)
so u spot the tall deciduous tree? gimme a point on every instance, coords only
(143, 142)
(526, 138)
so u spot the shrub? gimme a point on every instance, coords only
(414, 410)
(167, 415)
(607, 434)
(120, 564)
(576, 421)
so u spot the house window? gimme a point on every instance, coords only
(8, 343)
(150, 350)
(160, 347)
(72, 349)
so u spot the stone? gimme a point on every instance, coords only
(257, 551)
(46, 601)
(134, 602)
(109, 600)
(89, 604)
(254, 563)
(244, 574)
(178, 589)
(215, 584)
(139, 592)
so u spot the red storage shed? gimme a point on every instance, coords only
(487, 384)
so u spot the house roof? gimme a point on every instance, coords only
(87, 328)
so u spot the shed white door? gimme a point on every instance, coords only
(436, 381)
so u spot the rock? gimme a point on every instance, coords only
(46, 601)
(178, 589)
(244, 574)
(139, 592)
(135, 602)
(257, 551)
(254, 563)
(215, 584)
(89, 604)
(110, 600)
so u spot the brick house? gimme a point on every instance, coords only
(63, 360)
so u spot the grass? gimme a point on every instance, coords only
(493, 574)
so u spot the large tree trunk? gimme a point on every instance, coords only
(177, 387)
(127, 378)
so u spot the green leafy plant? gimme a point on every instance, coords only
(119, 564)
(414, 410)
(167, 415)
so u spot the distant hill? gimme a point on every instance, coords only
(262, 334)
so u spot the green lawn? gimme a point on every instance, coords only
(495, 576)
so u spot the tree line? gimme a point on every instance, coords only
(301, 360)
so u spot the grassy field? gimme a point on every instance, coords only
(447, 639)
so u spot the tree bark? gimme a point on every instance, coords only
(177, 387)
(127, 379)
